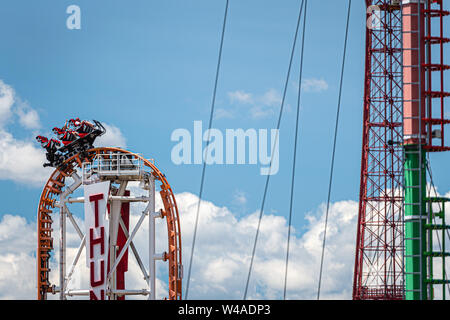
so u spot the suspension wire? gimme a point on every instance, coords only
(276, 138)
(334, 151)
(295, 152)
(213, 103)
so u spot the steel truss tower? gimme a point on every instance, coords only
(379, 248)
(424, 128)
(403, 120)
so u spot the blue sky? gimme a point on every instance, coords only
(147, 68)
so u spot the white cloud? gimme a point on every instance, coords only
(220, 270)
(240, 97)
(264, 105)
(16, 279)
(6, 102)
(223, 114)
(16, 234)
(260, 112)
(28, 117)
(21, 160)
(112, 138)
(17, 261)
(11, 104)
(239, 197)
(271, 98)
(314, 85)
(222, 253)
(255, 106)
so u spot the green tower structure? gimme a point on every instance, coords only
(414, 230)
(425, 229)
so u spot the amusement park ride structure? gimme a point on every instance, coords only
(79, 165)
(401, 227)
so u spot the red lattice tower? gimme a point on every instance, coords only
(379, 248)
(434, 69)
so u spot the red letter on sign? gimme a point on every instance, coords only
(96, 198)
(100, 240)
(92, 295)
(102, 274)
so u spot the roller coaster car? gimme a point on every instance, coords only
(81, 128)
(71, 147)
(51, 145)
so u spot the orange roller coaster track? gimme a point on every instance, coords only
(56, 185)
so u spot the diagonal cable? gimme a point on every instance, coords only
(276, 138)
(295, 153)
(213, 103)
(334, 151)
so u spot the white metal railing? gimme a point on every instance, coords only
(112, 164)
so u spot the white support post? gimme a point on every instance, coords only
(116, 206)
(62, 250)
(70, 189)
(135, 252)
(62, 227)
(151, 232)
(75, 261)
(74, 223)
(127, 244)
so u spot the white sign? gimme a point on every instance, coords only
(95, 205)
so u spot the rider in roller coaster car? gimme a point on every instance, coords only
(76, 136)
(82, 128)
(66, 136)
(50, 145)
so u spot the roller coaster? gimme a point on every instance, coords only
(80, 165)
(74, 141)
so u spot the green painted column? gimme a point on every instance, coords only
(415, 192)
